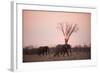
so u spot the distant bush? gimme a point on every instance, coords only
(45, 50)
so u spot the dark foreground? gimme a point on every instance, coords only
(76, 54)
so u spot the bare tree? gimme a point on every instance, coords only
(67, 30)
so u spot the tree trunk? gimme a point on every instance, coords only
(66, 41)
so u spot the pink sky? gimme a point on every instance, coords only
(40, 28)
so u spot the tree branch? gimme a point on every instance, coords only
(62, 29)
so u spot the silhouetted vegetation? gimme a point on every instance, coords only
(57, 51)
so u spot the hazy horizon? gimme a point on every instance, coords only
(40, 28)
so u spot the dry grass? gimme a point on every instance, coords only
(76, 55)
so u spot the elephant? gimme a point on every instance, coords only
(62, 50)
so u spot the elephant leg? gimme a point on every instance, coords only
(67, 52)
(55, 54)
(70, 52)
(63, 53)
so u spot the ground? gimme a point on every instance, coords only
(76, 55)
